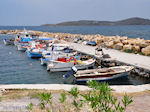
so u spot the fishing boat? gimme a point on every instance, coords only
(49, 55)
(8, 41)
(23, 44)
(22, 35)
(102, 74)
(91, 43)
(60, 47)
(34, 52)
(62, 64)
(54, 55)
(22, 47)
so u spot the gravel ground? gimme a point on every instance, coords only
(140, 102)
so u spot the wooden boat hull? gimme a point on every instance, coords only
(103, 78)
(103, 74)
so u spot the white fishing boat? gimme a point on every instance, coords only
(49, 55)
(54, 55)
(17, 38)
(25, 35)
(102, 74)
(59, 47)
(22, 47)
(66, 65)
(8, 41)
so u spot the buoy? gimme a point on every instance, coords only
(10, 53)
(72, 57)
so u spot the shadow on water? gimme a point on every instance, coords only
(132, 79)
(123, 81)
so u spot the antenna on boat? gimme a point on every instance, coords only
(24, 29)
(52, 51)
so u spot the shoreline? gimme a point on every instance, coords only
(123, 44)
(67, 87)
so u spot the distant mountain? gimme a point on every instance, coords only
(129, 21)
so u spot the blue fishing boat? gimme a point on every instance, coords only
(92, 43)
(33, 53)
(44, 61)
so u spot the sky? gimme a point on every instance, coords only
(37, 12)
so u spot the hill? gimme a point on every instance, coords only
(129, 21)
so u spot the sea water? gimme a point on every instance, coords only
(17, 68)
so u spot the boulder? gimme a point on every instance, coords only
(125, 42)
(146, 50)
(123, 38)
(143, 44)
(116, 41)
(127, 48)
(131, 41)
(110, 44)
(118, 46)
(98, 41)
(136, 48)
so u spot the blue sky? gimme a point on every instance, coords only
(37, 12)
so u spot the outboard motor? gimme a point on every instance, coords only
(71, 72)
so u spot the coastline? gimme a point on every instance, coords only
(123, 44)
(67, 87)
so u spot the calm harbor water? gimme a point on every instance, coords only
(17, 68)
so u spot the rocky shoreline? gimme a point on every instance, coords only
(124, 44)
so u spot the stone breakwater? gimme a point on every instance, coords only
(124, 44)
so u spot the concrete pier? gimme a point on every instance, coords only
(136, 60)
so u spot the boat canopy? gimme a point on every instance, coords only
(46, 39)
(92, 42)
(26, 39)
(61, 45)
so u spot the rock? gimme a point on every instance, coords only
(123, 38)
(136, 48)
(125, 42)
(143, 44)
(97, 39)
(131, 41)
(146, 51)
(110, 44)
(127, 48)
(118, 46)
(116, 41)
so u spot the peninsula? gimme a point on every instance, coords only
(129, 21)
